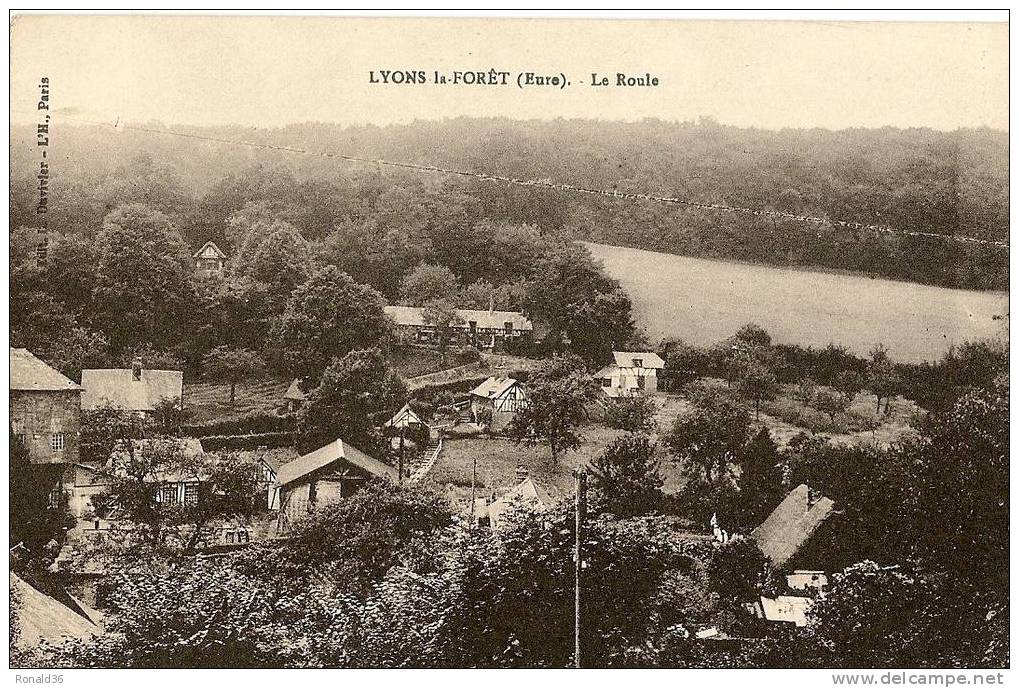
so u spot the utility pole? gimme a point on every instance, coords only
(581, 509)
(474, 480)
(403, 430)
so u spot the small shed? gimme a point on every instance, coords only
(405, 418)
(327, 474)
(294, 396)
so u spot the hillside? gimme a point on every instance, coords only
(915, 179)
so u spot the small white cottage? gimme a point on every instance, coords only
(630, 372)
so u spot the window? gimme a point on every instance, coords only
(57, 441)
(606, 382)
(230, 537)
(638, 363)
(508, 327)
(191, 493)
(168, 494)
(56, 497)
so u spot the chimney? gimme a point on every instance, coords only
(136, 369)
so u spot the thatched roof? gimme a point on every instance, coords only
(791, 524)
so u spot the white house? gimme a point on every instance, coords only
(630, 372)
(502, 396)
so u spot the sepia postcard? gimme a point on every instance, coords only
(506, 341)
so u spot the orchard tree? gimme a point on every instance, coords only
(626, 478)
(760, 481)
(233, 365)
(882, 379)
(327, 317)
(635, 413)
(557, 396)
(355, 396)
(754, 381)
(831, 402)
(804, 391)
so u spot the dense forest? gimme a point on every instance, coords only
(914, 180)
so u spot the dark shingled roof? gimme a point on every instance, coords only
(337, 450)
(28, 373)
(791, 524)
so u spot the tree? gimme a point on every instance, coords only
(233, 365)
(831, 402)
(683, 364)
(34, 520)
(443, 317)
(143, 292)
(557, 395)
(429, 282)
(804, 391)
(275, 255)
(850, 383)
(635, 413)
(327, 317)
(708, 441)
(626, 478)
(227, 487)
(584, 309)
(78, 349)
(754, 380)
(356, 394)
(760, 481)
(882, 379)
(752, 336)
(737, 571)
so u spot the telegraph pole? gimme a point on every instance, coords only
(474, 481)
(399, 479)
(581, 508)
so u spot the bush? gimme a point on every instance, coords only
(270, 440)
(256, 422)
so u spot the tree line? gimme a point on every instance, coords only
(916, 180)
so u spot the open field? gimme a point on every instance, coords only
(704, 301)
(209, 401)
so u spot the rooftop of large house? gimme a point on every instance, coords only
(334, 451)
(492, 319)
(30, 374)
(131, 389)
(44, 618)
(791, 524)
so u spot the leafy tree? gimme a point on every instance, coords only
(33, 520)
(709, 441)
(752, 336)
(327, 317)
(584, 309)
(626, 478)
(233, 366)
(557, 395)
(356, 394)
(353, 542)
(760, 481)
(882, 378)
(804, 391)
(78, 349)
(428, 283)
(634, 414)
(737, 571)
(683, 364)
(831, 402)
(227, 488)
(441, 315)
(275, 255)
(754, 381)
(143, 291)
(850, 383)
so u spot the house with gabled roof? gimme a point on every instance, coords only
(526, 494)
(499, 396)
(135, 389)
(45, 409)
(209, 259)
(327, 474)
(630, 372)
(485, 329)
(792, 523)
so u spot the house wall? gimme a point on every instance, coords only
(38, 416)
(481, 337)
(645, 379)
